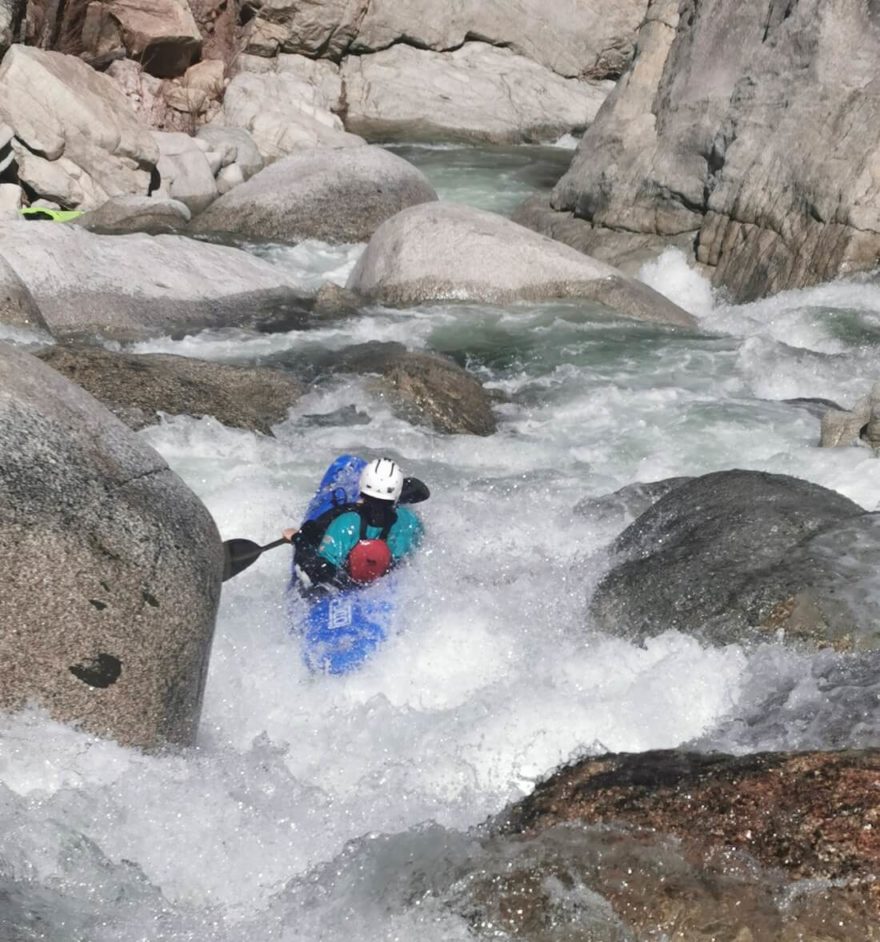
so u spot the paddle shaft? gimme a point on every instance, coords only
(262, 549)
(239, 554)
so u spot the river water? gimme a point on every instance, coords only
(313, 807)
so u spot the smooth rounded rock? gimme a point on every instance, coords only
(336, 195)
(448, 252)
(111, 567)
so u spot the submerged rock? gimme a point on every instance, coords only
(336, 195)
(740, 555)
(111, 567)
(137, 388)
(443, 252)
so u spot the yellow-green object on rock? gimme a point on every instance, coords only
(54, 215)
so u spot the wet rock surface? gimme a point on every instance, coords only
(741, 555)
(610, 883)
(136, 388)
(425, 388)
(809, 815)
(629, 502)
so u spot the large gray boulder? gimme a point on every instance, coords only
(132, 287)
(76, 137)
(738, 555)
(448, 252)
(184, 171)
(754, 126)
(111, 567)
(478, 93)
(334, 194)
(138, 388)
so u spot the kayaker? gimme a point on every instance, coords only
(357, 543)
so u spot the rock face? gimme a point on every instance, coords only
(477, 93)
(334, 194)
(137, 388)
(699, 134)
(443, 252)
(160, 34)
(132, 287)
(739, 555)
(285, 112)
(77, 141)
(314, 28)
(111, 567)
(596, 40)
(809, 816)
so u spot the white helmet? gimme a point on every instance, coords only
(382, 479)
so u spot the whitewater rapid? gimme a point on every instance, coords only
(311, 804)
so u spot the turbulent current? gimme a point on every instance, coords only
(325, 808)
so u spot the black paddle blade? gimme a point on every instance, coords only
(239, 554)
(414, 491)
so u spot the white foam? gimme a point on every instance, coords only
(674, 277)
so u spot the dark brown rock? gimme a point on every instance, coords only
(111, 567)
(809, 815)
(424, 387)
(138, 388)
(616, 883)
